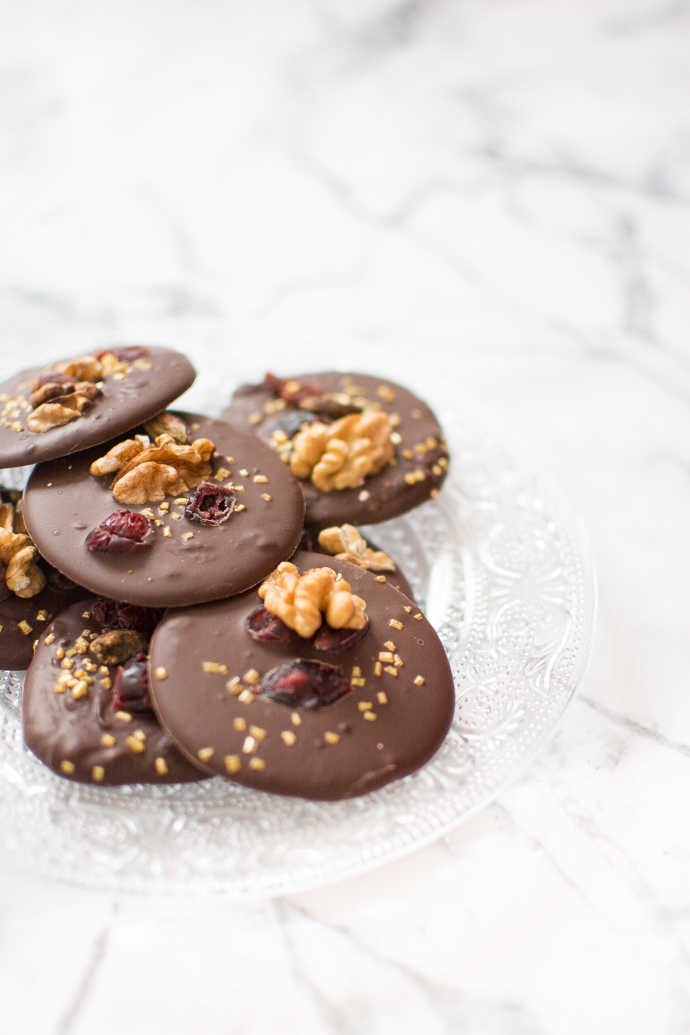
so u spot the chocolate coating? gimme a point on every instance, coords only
(63, 503)
(389, 495)
(58, 728)
(16, 646)
(123, 405)
(200, 712)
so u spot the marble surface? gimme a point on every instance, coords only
(501, 190)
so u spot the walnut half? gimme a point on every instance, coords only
(58, 404)
(18, 554)
(341, 455)
(299, 600)
(147, 473)
(346, 544)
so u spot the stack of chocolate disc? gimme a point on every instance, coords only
(133, 563)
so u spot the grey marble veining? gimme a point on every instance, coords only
(500, 191)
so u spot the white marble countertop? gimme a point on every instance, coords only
(501, 190)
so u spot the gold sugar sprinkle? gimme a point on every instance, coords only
(408, 454)
(255, 418)
(48, 640)
(239, 724)
(331, 738)
(364, 706)
(250, 744)
(257, 763)
(364, 495)
(98, 772)
(134, 744)
(182, 501)
(123, 716)
(265, 496)
(188, 535)
(161, 767)
(42, 615)
(244, 472)
(395, 624)
(246, 697)
(382, 698)
(398, 662)
(296, 719)
(25, 627)
(260, 478)
(386, 393)
(239, 507)
(418, 616)
(59, 688)
(233, 685)
(378, 668)
(356, 670)
(60, 653)
(164, 507)
(369, 716)
(221, 474)
(390, 670)
(251, 677)
(213, 666)
(380, 578)
(107, 683)
(396, 438)
(81, 688)
(232, 763)
(257, 732)
(107, 740)
(167, 532)
(205, 754)
(139, 734)
(407, 608)
(419, 680)
(288, 737)
(357, 681)
(104, 670)
(161, 673)
(385, 655)
(67, 767)
(389, 645)
(434, 493)
(177, 517)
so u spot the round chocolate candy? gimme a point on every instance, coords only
(256, 710)
(207, 543)
(104, 395)
(99, 729)
(277, 409)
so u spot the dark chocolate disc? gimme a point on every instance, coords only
(84, 738)
(182, 560)
(206, 670)
(151, 381)
(420, 461)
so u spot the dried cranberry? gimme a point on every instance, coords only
(304, 683)
(268, 628)
(115, 614)
(121, 532)
(131, 686)
(125, 355)
(337, 640)
(292, 421)
(210, 504)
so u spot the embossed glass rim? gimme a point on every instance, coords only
(506, 569)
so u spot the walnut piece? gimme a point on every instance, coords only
(114, 646)
(18, 554)
(57, 404)
(147, 473)
(299, 600)
(342, 454)
(167, 424)
(346, 544)
(84, 368)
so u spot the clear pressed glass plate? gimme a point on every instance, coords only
(503, 568)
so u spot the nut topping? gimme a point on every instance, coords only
(299, 600)
(346, 544)
(57, 404)
(114, 646)
(18, 555)
(164, 469)
(341, 455)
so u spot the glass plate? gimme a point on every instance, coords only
(503, 568)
